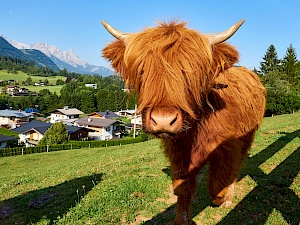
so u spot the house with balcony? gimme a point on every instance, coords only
(101, 128)
(65, 115)
(13, 118)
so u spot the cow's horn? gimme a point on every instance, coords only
(114, 32)
(223, 36)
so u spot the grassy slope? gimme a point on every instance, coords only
(118, 185)
(21, 76)
(52, 89)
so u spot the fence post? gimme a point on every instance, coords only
(22, 151)
(89, 145)
(47, 148)
(71, 146)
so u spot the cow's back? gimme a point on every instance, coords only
(240, 99)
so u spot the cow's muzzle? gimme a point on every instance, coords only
(164, 120)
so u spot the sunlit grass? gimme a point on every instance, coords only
(21, 76)
(130, 184)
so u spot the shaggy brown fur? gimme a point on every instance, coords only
(214, 108)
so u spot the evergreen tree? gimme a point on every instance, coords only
(271, 61)
(87, 102)
(290, 65)
(28, 81)
(102, 100)
(56, 134)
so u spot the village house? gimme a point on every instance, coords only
(11, 89)
(18, 91)
(102, 128)
(5, 140)
(91, 85)
(65, 115)
(31, 133)
(130, 113)
(39, 83)
(13, 118)
(107, 114)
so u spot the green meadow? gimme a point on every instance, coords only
(131, 184)
(21, 76)
(52, 89)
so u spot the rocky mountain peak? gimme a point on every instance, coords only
(64, 59)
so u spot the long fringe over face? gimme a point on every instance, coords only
(169, 65)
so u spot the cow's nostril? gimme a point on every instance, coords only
(173, 121)
(153, 121)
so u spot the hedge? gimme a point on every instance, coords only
(70, 145)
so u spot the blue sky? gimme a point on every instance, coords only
(70, 24)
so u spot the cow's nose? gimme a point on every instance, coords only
(165, 119)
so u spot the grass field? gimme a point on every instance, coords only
(131, 184)
(52, 89)
(21, 76)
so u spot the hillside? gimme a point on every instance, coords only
(130, 184)
(39, 58)
(21, 76)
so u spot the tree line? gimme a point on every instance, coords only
(108, 96)
(281, 78)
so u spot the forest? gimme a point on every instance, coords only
(281, 78)
(109, 95)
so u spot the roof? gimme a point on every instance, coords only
(107, 114)
(68, 111)
(14, 113)
(41, 127)
(69, 122)
(29, 110)
(130, 111)
(95, 122)
(6, 138)
(42, 130)
(31, 124)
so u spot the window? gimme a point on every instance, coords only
(107, 129)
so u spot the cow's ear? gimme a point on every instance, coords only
(114, 52)
(224, 57)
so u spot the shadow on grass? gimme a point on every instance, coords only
(272, 190)
(46, 204)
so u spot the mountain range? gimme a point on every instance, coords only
(60, 59)
(39, 58)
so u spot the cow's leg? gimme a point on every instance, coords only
(225, 165)
(184, 184)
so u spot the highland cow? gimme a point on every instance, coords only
(192, 96)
